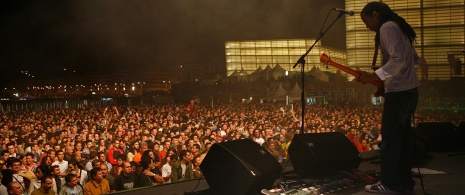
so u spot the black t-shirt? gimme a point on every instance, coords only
(157, 159)
(125, 183)
(145, 180)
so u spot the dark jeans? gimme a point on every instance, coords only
(397, 142)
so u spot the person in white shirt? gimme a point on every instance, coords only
(77, 172)
(39, 173)
(63, 164)
(257, 137)
(166, 168)
(395, 38)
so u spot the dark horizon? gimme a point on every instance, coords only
(46, 37)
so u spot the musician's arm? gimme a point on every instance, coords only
(366, 77)
(383, 75)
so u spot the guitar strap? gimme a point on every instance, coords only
(375, 56)
(22, 185)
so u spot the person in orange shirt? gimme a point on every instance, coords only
(138, 156)
(162, 154)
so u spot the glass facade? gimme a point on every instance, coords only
(439, 25)
(250, 55)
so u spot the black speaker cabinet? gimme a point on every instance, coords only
(461, 129)
(321, 154)
(440, 136)
(239, 167)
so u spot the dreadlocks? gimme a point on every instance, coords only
(386, 14)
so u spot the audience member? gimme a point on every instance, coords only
(97, 137)
(127, 179)
(46, 184)
(97, 185)
(15, 188)
(107, 176)
(72, 186)
(182, 169)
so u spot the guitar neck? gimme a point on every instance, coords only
(324, 58)
(344, 68)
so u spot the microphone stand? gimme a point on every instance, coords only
(301, 61)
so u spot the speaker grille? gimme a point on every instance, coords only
(319, 154)
(239, 167)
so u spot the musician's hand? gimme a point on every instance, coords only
(366, 77)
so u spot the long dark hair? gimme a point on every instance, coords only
(386, 14)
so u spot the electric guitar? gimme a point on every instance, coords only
(325, 59)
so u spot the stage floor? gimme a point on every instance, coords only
(447, 177)
(444, 174)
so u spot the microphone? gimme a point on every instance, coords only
(348, 12)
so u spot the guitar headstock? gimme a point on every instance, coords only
(325, 58)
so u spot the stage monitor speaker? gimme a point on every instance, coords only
(320, 154)
(239, 167)
(440, 136)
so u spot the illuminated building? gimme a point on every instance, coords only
(252, 54)
(439, 25)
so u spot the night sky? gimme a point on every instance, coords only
(46, 36)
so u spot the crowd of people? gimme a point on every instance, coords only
(97, 150)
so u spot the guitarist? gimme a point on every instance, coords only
(395, 37)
